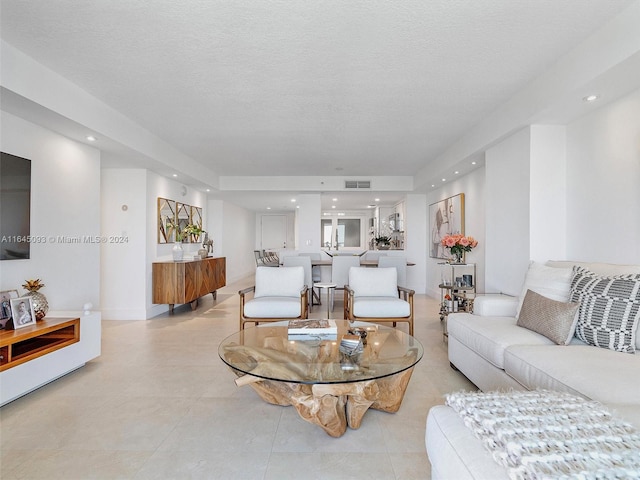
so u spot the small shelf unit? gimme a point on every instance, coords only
(24, 344)
(456, 296)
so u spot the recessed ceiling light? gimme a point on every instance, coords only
(456, 172)
(334, 199)
(297, 206)
(208, 189)
(175, 175)
(333, 206)
(268, 208)
(376, 199)
(444, 179)
(432, 186)
(590, 98)
(371, 206)
(293, 200)
(473, 163)
(91, 138)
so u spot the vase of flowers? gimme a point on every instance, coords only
(458, 245)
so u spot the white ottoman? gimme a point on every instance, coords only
(454, 453)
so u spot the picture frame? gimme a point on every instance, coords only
(23, 314)
(5, 306)
(446, 217)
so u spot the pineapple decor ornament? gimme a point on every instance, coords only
(39, 301)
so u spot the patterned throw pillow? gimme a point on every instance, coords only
(555, 320)
(609, 309)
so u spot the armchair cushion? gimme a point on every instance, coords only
(279, 282)
(273, 307)
(374, 282)
(380, 307)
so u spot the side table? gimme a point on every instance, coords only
(331, 288)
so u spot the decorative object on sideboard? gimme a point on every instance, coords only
(458, 245)
(5, 307)
(40, 303)
(23, 313)
(207, 244)
(177, 251)
(383, 242)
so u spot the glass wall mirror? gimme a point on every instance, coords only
(166, 219)
(196, 219)
(183, 217)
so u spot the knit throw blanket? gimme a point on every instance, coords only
(550, 435)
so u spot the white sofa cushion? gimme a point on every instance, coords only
(552, 282)
(490, 336)
(279, 281)
(595, 373)
(373, 282)
(495, 305)
(555, 320)
(380, 307)
(273, 307)
(609, 309)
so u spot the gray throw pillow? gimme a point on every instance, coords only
(551, 318)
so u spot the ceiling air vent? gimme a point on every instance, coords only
(350, 184)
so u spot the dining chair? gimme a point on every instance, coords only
(374, 255)
(401, 266)
(373, 295)
(278, 294)
(316, 272)
(340, 269)
(304, 262)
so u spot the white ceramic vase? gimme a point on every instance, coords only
(178, 252)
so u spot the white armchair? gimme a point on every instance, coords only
(373, 295)
(279, 294)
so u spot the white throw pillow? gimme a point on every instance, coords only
(551, 282)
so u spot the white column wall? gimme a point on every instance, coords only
(547, 195)
(507, 213)
(65, 201)
(308, 223)
(603, 184)
(237, 241)
(415, 240)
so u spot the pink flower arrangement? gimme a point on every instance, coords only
(458, 244)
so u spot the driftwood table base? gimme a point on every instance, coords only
(334, 406)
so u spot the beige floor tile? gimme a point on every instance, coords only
(159, 403)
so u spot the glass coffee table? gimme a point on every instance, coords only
(315, 374)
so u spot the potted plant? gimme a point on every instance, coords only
(383, 242)
(192, 232)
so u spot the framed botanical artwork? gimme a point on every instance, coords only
(446, 217)
(22, 312)
(5, 306)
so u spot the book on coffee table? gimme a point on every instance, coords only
(311, 327)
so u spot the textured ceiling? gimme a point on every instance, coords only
(310, 88)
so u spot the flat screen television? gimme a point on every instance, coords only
(15, 207)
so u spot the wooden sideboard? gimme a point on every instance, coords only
(185, 282)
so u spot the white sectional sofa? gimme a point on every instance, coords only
(492, 351)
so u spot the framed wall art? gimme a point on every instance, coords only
(446, 217)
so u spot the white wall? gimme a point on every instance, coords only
(473, 187)
(507, 213)
(237, 241)
(123, 265)
(65, 201)
(307, 229)
(603, 184)
(415, 240)
(548, 193)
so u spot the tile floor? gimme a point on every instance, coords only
(159, 404)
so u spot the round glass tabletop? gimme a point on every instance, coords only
(357, 351)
